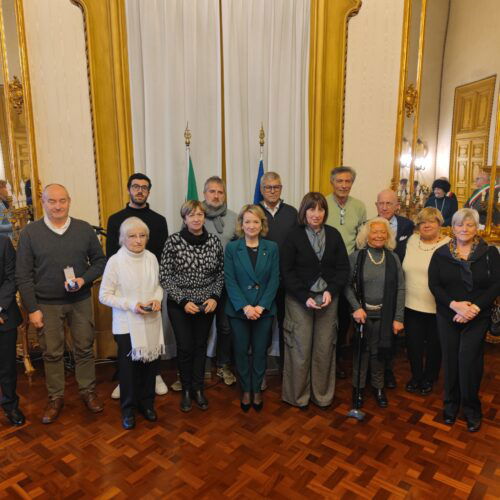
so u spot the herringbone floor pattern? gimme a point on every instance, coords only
(404, 451)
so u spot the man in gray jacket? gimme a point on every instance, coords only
(58, 257)
(221, 221)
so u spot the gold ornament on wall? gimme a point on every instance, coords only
(411, 97)
(16, 95)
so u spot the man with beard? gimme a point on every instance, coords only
(139, 189)
(221, 221)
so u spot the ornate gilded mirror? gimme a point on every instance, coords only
(447, 125)
(18, 158)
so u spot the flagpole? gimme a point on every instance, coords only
(187, 142)
(262, 137)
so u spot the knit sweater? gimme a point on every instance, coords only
(192, 272)
(157, 224)
(42, 256)
(415, 266)
(281, 223)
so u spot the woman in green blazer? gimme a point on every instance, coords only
(251, 270)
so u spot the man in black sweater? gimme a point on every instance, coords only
(58, 258)
(281, 218)
(139, 189)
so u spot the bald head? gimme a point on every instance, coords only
(387, 204)
(56, 203)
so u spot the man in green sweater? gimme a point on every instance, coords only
(58, 258)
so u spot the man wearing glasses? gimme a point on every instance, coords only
(139, 188)
(281, 219)
(347, 215)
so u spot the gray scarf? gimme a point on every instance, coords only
(318, 244)
(216, 215)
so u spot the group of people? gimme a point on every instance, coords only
(313, 270)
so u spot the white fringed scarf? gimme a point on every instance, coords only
(139, 280)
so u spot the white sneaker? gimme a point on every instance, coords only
(116, 392)
(160, 386)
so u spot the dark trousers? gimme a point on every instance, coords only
(251, 333)
(369, 357)
(280, 317)
(422, 344)
(463, 361)
(223, 349)
(8, 372)
(344, 322)
(137, 379)
(191, 335)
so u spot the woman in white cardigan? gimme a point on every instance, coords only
(130, 285)
(422, 341)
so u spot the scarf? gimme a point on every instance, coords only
(138, 276)
(216, 215)
(194, 239)
(318, 243)
(479, 248)
(385, 335)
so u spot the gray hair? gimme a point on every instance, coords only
(216, 180)
(465, 213)
(48, 186)
(131, 223)
(362, 237)
(342, 170)
(269, 176)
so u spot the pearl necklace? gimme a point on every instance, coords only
(373, 260)
(431, 248)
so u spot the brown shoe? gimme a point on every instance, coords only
(52, 410)
(92, 402)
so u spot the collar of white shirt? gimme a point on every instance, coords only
(58, 230)
(272, 211)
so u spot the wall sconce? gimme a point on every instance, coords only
(405, 158)
(421, 152)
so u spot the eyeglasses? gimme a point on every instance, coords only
(342, 216)
(137, 187)
(277, 187)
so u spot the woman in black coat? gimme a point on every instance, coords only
(447, 205)
(464, 277)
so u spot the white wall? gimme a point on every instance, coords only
(61, 105)
(372, 84)
(472, 53)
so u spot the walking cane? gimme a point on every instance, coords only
(355, 412)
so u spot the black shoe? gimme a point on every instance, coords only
(389, 380)
(357, 398)
(381, 398)
(185, 404)
(473, 424)
(425, 388)
(258, 406)
(200, 400)
(412, 386)
(303, 408)
(245, 406)
(149, 414)
(449, 419)
(15, 416)
(128, 422)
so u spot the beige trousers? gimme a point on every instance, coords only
(310, 338)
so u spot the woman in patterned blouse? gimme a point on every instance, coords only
(191, 272)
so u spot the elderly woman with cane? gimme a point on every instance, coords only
(376, 293)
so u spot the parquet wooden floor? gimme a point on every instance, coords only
(404, 451)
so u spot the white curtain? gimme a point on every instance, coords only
(174, 57)
(266, 50)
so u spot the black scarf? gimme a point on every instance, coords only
(194, 239)
(385, 334)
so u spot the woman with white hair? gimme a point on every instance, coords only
(376, 292)
(130, 285)
(464, 277)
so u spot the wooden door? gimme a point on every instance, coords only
(471, 130)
